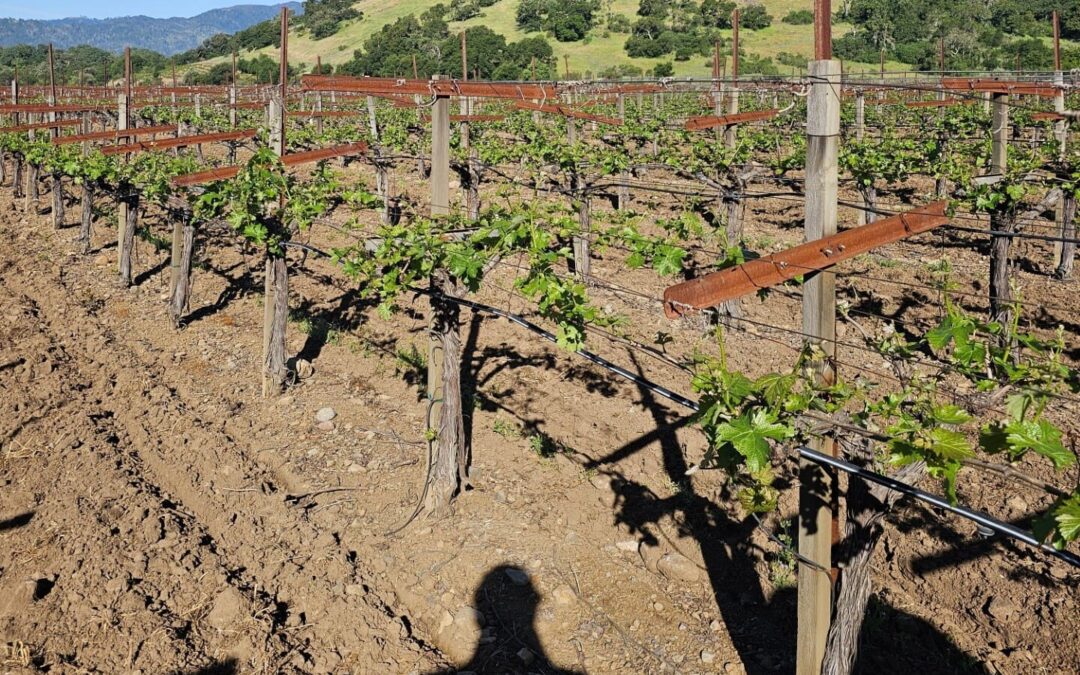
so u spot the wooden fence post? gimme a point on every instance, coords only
(276, 277)
(1061, 133)
(1000, 293)
(57, 178)
(860, 133)
(624, 176)
(999, 128)
(577, 186)
(816, 491)
(122, 205)
(440, 154)
(731, 132)
(232, 121)
(17, 169)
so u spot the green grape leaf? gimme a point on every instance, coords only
(951, 414)
(1040, 437)
(950, 445)
(750, 434)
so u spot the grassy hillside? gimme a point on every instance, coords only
(593, 54)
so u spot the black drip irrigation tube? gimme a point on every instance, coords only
(940, 502)
(978, 517)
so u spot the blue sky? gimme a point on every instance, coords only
(100, 9)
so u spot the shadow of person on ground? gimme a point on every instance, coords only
(509, 643)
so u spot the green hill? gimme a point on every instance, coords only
(598, 51)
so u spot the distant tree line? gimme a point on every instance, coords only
(390, 51)
(91, 64)
(978, 34)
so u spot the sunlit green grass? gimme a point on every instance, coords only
(593, 55)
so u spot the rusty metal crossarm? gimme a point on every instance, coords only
(390, 85)
(44, 108)
(1001, 87)
(40, 125)
(712, 121)
(325, 113)
(182, 141)
(566, 111)
(113, 135)
(735, 282)
(945, 102)
(292, 159)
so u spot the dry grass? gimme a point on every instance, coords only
(15, 654)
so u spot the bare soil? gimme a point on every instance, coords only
(158, 516)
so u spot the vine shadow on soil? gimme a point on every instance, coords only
(16, 521)
(512, 606)
(228, 666)
(235, 286)
(762, 629)
(765, 642)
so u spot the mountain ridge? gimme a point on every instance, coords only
(167, 36)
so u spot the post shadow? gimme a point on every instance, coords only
(762, 629)
(16, 521)
(508, 600)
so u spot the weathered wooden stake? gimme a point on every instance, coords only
(1061, 133)
(57, 186)
(122, 204)
(816, 491)
(276, 278)
(624, 176)
(440, 154)
(1000, 292)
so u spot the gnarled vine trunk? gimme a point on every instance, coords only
(17, 177)
(57, 201)
(275, 318)
(87, 217)
(32, 189)
(1000, 292)
(1068, 233)
(867, 505)
(472, 191)
(181, 271)
(382, 188)
(734, 211)
(127, 242)
(1001, 296)
(869, 195)
(448, 469)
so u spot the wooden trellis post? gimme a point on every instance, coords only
(731, 132)
(125, 236)
(860, 132)
(440, 154)
(817, 486)
(1065, 211)
(624, 176)
(17, 170)
(276, 278)
(57, 180)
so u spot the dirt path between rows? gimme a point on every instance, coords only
(158, 516)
